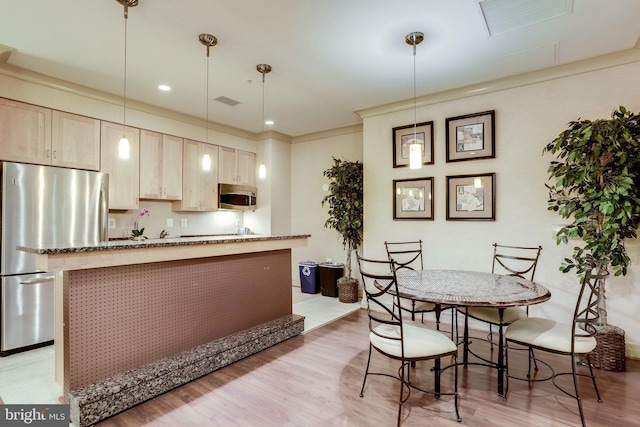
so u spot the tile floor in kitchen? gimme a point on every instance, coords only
(29, 377)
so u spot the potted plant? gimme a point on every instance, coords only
(138, 233)
(346, 215)
(597, 186)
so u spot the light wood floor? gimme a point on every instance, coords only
(314, 380)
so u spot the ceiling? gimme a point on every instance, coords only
(330, 58)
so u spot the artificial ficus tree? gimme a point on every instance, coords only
(596, 184)
(345, 200)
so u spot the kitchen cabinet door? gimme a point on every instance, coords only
(227, 165)
(236, 166)
(199, 186)
(160, 166)
(75, 141)
(171, 167)
(246, 167)
(124, 174)
(150, 165)
(209, 179)
(25, 132)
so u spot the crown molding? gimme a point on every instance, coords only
(560, 71)
(328, 133)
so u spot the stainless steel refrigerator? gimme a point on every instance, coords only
(41, 206)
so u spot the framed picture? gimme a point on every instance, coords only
(413, 198)
(403, 137)
(471, 137)
(471, 197)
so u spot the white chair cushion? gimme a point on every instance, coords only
(418, 342)
(491, 315)
(420, 305)
(548, 334)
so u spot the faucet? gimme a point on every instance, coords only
(163, 234)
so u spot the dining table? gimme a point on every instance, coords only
(461, 289)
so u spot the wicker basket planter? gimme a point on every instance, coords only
(347, 290)
(609, 354)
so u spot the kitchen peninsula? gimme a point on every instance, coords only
(135, 319)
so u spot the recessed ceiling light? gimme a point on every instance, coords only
(268, 122)
(165, 88)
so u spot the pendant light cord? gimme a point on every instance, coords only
(262, 102)
(207, 95)
(124, 88)
(415, 122)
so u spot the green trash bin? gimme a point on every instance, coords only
(330, 272)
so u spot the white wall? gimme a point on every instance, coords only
(527, 118)
(309, 160)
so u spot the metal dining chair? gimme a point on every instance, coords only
(575, 339)
(390, 336)
(518, 261)
(409, 255)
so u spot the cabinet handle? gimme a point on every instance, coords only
(55, 154)
(47, 153)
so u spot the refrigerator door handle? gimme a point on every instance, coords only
(37, 281)
(104, 211)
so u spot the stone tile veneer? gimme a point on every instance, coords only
(95, 402)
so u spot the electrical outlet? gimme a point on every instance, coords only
(112, 223)
(169, 222)
(183, 222)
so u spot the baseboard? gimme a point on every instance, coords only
(632, 351)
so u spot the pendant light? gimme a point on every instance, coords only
(209, 41)
(263, 69)
(123, 145)
(415, 146)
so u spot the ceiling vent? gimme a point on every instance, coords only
(227, 101)
(501, 16)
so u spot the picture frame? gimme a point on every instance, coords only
(402, 135)
(413, 199)
(471, 137)
(471, 197)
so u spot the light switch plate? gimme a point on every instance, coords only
(112, 223)
(169, 222)
(183, 222)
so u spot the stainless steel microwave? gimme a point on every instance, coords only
(238, 197)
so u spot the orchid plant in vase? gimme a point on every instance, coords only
(138, 233)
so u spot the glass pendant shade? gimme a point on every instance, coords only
(415, 154)
(206, 162)
(123, 148)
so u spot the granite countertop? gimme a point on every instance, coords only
(156, 243)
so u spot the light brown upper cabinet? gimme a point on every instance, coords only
(75, 141)
(25, 132)
(124, 174)
(236, 166)
(199, 182)
(160, 166)
(39, 135)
